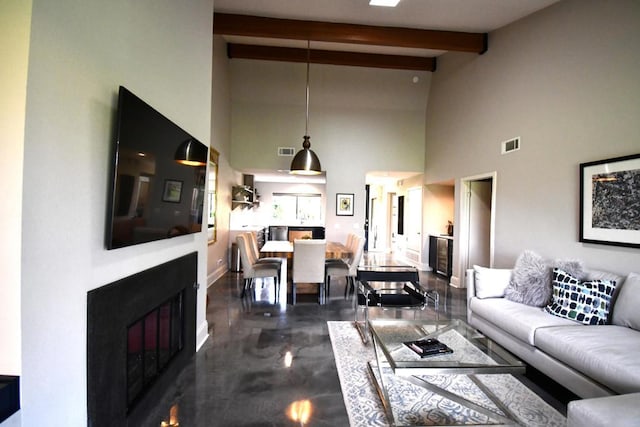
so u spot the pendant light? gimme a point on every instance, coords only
(306, 162)
(191, 153)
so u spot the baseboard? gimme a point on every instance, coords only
(202, 334)
(455, 282)
(216, 274)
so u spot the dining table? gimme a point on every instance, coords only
(284, 249)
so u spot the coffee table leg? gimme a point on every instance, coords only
(508, 419)
(379, 382)
(492, 397)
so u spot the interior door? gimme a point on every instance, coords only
(479, 223)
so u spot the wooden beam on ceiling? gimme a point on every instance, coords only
(256, 26)
(287, 54)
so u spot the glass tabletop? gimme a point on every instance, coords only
(473, 353)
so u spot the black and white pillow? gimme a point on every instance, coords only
(587, 302)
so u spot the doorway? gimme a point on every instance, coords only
(477, 221)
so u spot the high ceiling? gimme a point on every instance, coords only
(350, 32)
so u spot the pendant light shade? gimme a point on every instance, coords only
(191, 153)
(306, 162)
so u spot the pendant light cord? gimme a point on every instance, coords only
(306, 127)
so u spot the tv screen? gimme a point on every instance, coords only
(152, 196)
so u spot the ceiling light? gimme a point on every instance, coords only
(306, 162)
(386, 3)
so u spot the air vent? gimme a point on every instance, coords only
(511, 145)
(286, 151)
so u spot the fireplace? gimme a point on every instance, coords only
(140, 334)
(152, 342)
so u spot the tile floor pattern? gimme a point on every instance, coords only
(240, 378)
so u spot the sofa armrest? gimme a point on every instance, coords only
(622, 411)
(470, 281)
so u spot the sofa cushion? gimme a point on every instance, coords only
(531, 280)
(606, 353)
(604, 275)
(491, 282)
(626, 308)
(519, 320)
(587, 302)
(621, 411)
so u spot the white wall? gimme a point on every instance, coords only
(566, 81)
(361, 119)
(217, 252)
(80, 52)
(15, 20)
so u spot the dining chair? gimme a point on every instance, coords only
(251, 269)
(278, 232)
(348, 244)
(253, 244)
(347, 268)
(308, 265)
(390, 287)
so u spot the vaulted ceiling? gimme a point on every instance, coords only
(350, 32)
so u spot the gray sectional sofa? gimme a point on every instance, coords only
(600, 363)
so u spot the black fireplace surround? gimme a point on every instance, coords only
(113, 311)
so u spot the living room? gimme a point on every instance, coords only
(563, 79)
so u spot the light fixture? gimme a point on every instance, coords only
(386, 3)
(306, 162)
(191, 153)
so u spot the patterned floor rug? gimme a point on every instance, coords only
(413, 405)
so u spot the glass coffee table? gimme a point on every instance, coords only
(473, 354)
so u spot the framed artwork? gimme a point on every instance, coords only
(344, 204)
(172, 191)
(610, 201)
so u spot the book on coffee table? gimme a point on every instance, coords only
(428, 347)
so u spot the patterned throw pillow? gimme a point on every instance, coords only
(587, 302)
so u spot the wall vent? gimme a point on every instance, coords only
(286, 151)
(510, 145)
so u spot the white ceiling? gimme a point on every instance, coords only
(453, 15)
(478, 16)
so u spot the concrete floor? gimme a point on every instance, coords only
(240, 378)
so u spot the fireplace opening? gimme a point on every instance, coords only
(141, 333)
(152, 342)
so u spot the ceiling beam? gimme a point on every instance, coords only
(287, 54)
(256, 26)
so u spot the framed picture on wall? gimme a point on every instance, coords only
(610, 201)
(344, 204)
(172, 191)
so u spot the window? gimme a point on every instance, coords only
(212, 190)
(294, 208)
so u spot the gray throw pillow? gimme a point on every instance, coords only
(574, 267)
(531, 281)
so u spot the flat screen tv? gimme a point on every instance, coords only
(152, 196)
